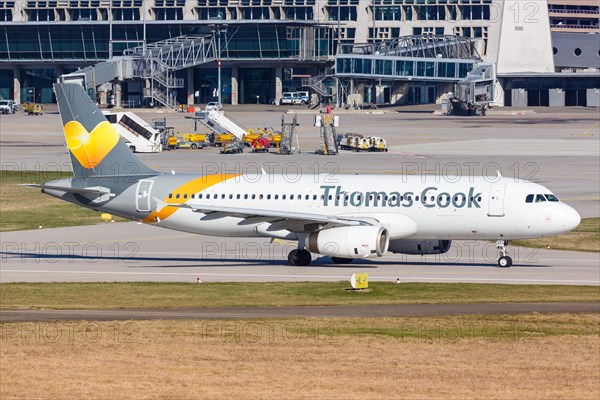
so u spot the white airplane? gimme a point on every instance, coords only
(345, 217)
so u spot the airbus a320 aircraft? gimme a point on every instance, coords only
(345, 217)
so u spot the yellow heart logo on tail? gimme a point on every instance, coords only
(90, 148)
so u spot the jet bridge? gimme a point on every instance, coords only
(155, 62)
(473, 95)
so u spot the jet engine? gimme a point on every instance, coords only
(420, 246)
(350, 242)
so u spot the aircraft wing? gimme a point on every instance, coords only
(92, 190)
(295, 221)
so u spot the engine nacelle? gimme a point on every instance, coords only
(420, 246)
(350, 242)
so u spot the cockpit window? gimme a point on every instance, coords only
(551, 197)
(539, 198)
(529, 198)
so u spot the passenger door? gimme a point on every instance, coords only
(142, 197)
(496, 201)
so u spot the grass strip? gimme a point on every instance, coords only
(241, 294)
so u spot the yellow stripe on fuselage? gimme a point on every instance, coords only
(194, 186)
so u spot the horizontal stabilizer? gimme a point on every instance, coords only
(99, 190)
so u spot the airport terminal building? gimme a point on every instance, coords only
(268, 47)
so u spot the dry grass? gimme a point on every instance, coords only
(285, 359)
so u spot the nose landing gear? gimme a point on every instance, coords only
(505, 261)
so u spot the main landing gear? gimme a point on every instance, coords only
(504, 261)
(299, 258)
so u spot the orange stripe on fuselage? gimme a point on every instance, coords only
(194, 186)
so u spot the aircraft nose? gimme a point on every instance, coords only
(569, 218)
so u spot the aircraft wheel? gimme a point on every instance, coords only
(194, 146)
(341, 260)
(505, 262)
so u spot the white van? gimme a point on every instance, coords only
(304, 97)
(290, 98)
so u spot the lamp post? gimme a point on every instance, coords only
(219, 67)
(218, 28)
(110, 31)
(374, 16)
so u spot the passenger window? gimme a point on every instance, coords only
(238, 196)
(276, 196)
(223, 196)
(306, 197)
(253, 196)
(260, 196)
(177, 196)
(268, 197)
(185, 195)
(245, 197)
(283, 197)
(200, 196)
(551, 197)
(479, 198)
(230, 196)
(215, 196)
(539, 198)
(170, 195)
(529, 198)
(291, 197)
(314, 196)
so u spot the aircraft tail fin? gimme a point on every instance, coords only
(95, 147)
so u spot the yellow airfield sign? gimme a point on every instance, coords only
(359, 281)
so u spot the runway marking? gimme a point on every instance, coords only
(590, 128)
(407, 154)
(340, 277)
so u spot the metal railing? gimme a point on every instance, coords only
(317, 84)
(159, 61)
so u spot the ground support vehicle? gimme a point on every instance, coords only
(378, 144)
(8, 107)
(34, 109)
(260, 145)
(232, 147)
